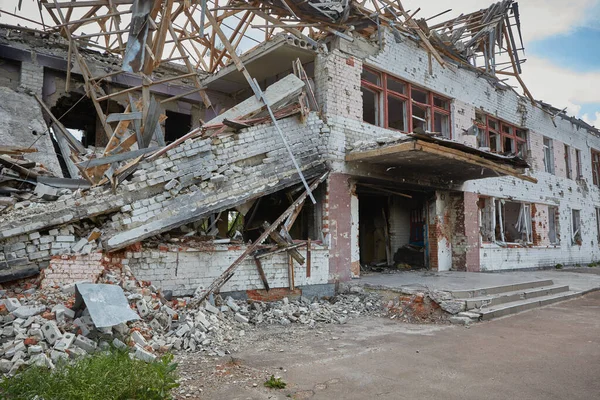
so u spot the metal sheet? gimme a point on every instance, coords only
(106, 303)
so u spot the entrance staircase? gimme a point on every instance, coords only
(493, 302)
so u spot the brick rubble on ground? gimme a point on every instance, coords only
(40, 327)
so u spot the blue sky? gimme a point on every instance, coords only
(578, 50)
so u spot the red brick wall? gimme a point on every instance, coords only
(340, 223)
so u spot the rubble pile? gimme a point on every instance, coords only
(43, 326)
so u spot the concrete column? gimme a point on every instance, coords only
(340, 201)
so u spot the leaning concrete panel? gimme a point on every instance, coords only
(22, 125)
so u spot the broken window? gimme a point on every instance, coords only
(552, 225)
(576, 227)
(391, 103)
(568, 161)
(500, 137)
(370, 106)
(578, 164)
(548, 156)
(504, 221)
(596, 167)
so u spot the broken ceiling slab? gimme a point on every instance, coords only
(106, 303)
(446, 159)
(268, 59)
(276, 95)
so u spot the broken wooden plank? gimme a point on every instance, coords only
(261, 272)
(277, 94)
(228, 273)
(65, 152)
(278, 250)
(282, 242)
(94, 162)
(15, 150)
(235, 124)
(10, 164)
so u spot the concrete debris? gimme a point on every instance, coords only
(55, 331)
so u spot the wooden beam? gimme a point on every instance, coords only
(261, 272)
(228, 273)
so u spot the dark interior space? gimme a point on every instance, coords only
(75, 112)
(176, 125)
(392, 227)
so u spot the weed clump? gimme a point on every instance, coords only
(275, 383)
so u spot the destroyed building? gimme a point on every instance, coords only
(351, 135)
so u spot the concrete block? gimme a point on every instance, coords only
(240, 318)
(28, 311)
(12, 303)
(85, 344)
(143, 355)
(65, 342)
(51, 332)
(138, 339)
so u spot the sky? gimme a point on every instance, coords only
(561, 39)
(562, 48)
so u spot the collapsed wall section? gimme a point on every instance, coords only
(195, 179)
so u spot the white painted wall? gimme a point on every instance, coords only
(408, 61)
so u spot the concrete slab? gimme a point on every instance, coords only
(453, 280)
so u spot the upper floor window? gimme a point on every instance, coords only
(392, 103)
(548, 155)
(568, 161)
(578, 164)
(596, 167)
(501, 137)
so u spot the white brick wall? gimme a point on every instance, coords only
(185, 271)
(32, 77)
(408, 61)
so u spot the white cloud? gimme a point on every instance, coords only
(539, 18)
(560, 86)
(594, 120)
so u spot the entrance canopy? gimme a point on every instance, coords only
(442, 158)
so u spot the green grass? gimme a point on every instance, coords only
(103, 376)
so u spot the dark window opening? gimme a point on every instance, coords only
(177, 125)
(370, 106)
(77, 114)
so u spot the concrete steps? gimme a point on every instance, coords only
(517, 295)
(492, 302)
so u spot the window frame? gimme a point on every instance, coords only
(578, 170)
(502, 135)
(549, 166)
(553, 216)
(576, 236)
(568, 171)
(383, 90)
(597, 225)
(596, 167)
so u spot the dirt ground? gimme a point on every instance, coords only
(547, 353)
